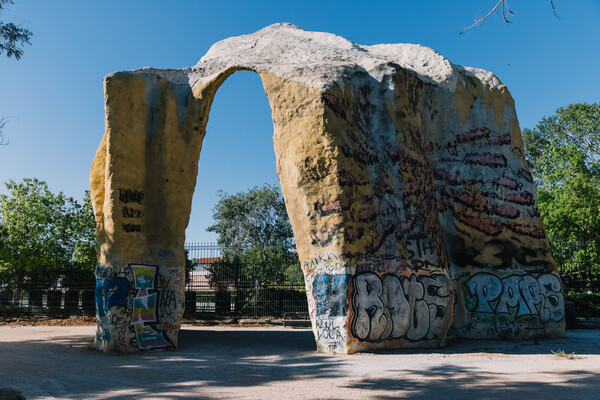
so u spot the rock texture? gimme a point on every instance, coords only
(413, 209)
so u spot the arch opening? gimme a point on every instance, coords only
(238, 142)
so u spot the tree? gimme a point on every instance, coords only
(44, 236)
(563, 152)
(254, 218)
(12, 37)
(254, 230)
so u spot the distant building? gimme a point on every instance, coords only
(199, 276)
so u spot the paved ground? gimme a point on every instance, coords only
(48, 362)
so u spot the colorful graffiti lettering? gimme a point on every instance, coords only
(391, 307)
(330, 294)
(134, 297)
(516, 296)
(100, 290)
(145, 308)
(111, 292)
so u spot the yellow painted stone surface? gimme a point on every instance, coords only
(466, 93)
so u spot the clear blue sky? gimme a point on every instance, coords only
(54, 98)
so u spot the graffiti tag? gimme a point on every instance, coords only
(392, 307)
(328, 331)
(523, 295)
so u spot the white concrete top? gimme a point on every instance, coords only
(317, 59)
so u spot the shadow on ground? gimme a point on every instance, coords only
(69, 368)
(458, 382)
(211, 361)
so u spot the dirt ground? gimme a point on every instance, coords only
(47, 321)
(216, 362)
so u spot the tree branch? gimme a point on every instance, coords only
(2, 123)
(505, 11)
(553, 9)
(506, 14)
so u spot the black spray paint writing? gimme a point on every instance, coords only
(129, 212)
(130, 196)
(328, 331)
(132, 228)
(127, 196)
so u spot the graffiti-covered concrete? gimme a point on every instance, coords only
(413, 210)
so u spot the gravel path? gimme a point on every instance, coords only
(56, 362)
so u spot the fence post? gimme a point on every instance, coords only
(54, 300)
(190, 304)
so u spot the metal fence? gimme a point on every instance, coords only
(219, 290)
(226, 289)
(578, 261)
(46, 298)
(579, 265)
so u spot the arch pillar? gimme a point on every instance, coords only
(376, 271)
(142, 182)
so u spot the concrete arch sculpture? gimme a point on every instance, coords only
(413, 210)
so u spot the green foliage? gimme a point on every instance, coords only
(45, 235)
(579, 259)
(12, 37)
(83, 245)
(272, 301)
(27, 218)
(257, 238)
(225, 272)
(293, 274)
(563, 152)
(254, 218)
(271, 265)
(587, 303)
(562, 354)
(276, 265)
